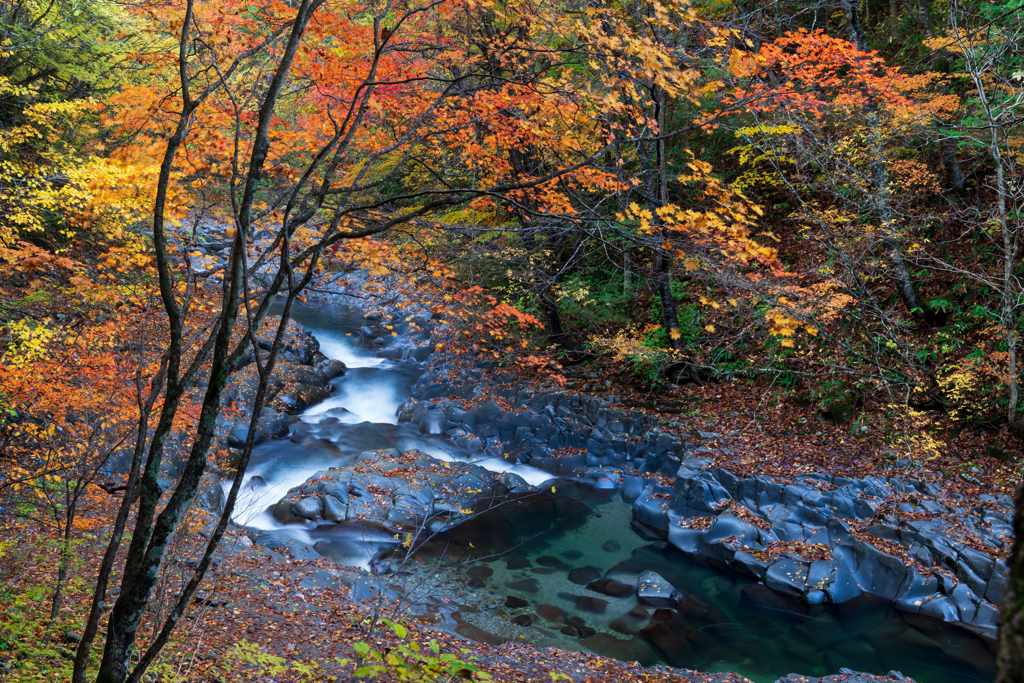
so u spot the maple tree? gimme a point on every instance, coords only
(681, 191)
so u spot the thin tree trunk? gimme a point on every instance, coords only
(880, 180)
(1009, 313)
(668, 303)
(627, 270)
(664, 257)
(1011, 242)
(147, 550)
(65, 559)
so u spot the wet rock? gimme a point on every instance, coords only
(674, 646)
(524, 585)
(874, 571)
(997, 584)
(582, 630)
(626, 577)
(308, 508)
(270, 423)
(581, 576)
(611, 546)
(652, 507)
(515, 602)
(334, 509)
(610, 587)
(727, 527)
(689, 607)
(787, 576)
(629, 627)
(839, 585)
(524, 619)
(847, 676)
(517, 563)
(698, 494)
(391, 491)
(663, 616)
(632, 650)
(653, 589)
(586, 603)
(551, 613)
(479, 572)
(553, 562)
(759, 594)
(638, 612)
(478, 634)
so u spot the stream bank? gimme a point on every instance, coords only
(681, 516)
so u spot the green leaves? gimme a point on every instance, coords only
(397, 628)
(408, 661)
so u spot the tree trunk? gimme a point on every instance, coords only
(1011, 240)
(1010, 661)
(668, 303)
(880, 180)
(664, 259)
(955, 178)
(627, 270)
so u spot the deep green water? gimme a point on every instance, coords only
(728, 623)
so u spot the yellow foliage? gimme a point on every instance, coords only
(28, 344)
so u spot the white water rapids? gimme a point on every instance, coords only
(365, 400)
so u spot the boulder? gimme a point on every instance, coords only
(652, 589)
(874, 571)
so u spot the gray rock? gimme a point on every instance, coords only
(787, 576)
(334, 509)
(308, 508)
(997, 584)
(727, 527)
(652, 507)
(652, 589)
(700, 494)
(874, 571)
(840, 585)
(687, 540)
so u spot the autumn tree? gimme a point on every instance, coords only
(305, 120)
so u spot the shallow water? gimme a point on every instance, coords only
(360, 415)
(726, 623)
(729, 624)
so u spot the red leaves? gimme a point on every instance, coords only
(810, 71)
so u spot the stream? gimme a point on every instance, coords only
(541, 548)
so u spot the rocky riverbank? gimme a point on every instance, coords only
(812, 539)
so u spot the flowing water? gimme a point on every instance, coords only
(530, 547)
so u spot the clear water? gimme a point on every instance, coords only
(360, 415)
(731, 624)
(728, 623)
